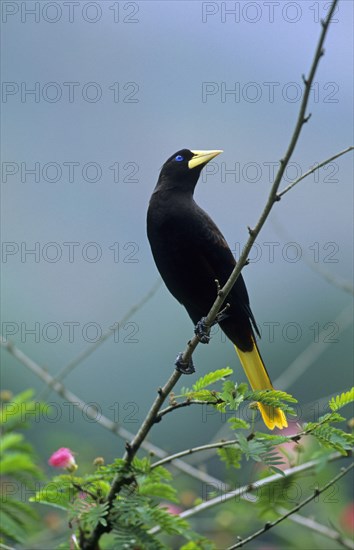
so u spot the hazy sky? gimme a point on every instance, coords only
(95, 97)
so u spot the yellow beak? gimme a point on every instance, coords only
(202, 157)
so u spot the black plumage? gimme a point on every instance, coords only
(190, 253)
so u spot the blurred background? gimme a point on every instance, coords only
(95, 97)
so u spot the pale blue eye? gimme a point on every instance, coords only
(179, 158)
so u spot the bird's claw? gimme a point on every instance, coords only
(202, 331)
(182, 367)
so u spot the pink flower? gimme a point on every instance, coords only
(63, 458)
(347, 517)
(172, 509)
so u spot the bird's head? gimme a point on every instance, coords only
(181, 170)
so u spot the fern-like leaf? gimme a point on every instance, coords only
(341, 400)
(211, 378)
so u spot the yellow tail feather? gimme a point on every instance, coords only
(259, 380)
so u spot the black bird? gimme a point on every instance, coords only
(191, 253)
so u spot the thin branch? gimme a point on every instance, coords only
(316, 493)
(85, 353)
(251, 487)
(92, 412)
(312, 352)
(313, 525)
(295, 438)
(313, 169)
(186, 403)
(288, 472)
(334, 280)
(186, 452)
(132, 448)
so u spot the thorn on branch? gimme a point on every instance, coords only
(221, 293)
(247, 262)
(251, 231)
(267, 525)
(322, 52)
(307, 118)
(304, 79)
(217, 285)
(222, 314)
(277, 198)
(160, 392)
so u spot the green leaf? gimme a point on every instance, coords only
(341, 400)
(204, 395)
(11, 527)
(272, 438)
(238, 423)
(211, 378)
(11, 441)
(161, 490)
(231, 456)
(59, 493)
(18, 463)
(273, 398)
(334, 438)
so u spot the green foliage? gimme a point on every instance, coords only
(141, 512)
(232, 395)
(340, 401)
(273, 398)
(232, 456)
(59, 492)
(18, 469)
(238, 424)
(327, 435)
(136, 509)
(136, 515)
(199, 544)
(211, 378)
(16, 413)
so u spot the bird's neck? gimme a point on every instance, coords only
(169, 191)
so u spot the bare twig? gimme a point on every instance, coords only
(314, 169)
(86, 352)
(310, 523)
(313, 351)
(270, 525)
(226, 495)
(183, 404)
(92, 412)
(334, 280)
(256, 486)
(186, 452)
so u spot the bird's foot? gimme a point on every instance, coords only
(182, 367)
(202, 330)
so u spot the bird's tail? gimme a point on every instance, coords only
(259, 380)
